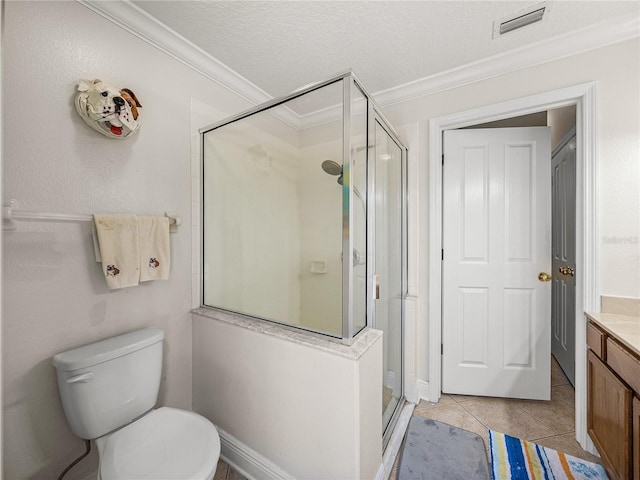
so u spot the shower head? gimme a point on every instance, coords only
(331, 167)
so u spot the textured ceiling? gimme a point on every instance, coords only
(282, 45)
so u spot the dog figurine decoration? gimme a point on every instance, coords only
(112, 112)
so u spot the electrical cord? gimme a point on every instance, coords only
(88, 445)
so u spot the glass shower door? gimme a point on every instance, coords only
(390, 267)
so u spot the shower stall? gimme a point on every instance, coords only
(304, 219)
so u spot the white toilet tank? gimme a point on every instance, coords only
(107, 384)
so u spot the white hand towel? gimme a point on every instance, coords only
(155, 256)
(96, 244)
(118, 239)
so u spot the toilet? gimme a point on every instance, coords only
(108, 390)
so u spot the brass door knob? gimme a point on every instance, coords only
(567, 271)
(544, 277)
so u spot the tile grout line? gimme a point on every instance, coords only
(552, 436)
(476, 418)
(512, 402)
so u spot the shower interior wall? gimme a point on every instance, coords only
(321, 200)
(386, 237)
(252, 172)
(305, 207)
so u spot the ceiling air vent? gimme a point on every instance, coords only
(521, 19)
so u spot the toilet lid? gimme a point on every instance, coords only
(165, 444)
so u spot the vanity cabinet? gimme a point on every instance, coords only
(613, 409)
(608, 413)
(636, 438)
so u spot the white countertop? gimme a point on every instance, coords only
(624, 328)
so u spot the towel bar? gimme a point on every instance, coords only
(9, 216)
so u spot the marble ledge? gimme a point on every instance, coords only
(625, 328)
(362, 343)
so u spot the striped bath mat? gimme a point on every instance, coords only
(516, 459)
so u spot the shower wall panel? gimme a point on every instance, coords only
(273, 217)
(321, 240)
(256, 179)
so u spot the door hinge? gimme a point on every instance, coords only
(441, 349)
(442, 254)
(443, 159)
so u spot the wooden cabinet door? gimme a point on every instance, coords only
(636, 438)
(608, 414)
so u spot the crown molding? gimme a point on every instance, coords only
(139, 23)
(592, 37)
(136, 21)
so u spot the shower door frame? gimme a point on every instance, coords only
(376, 116)
(347, 331)
(372, 111)
(373, 115)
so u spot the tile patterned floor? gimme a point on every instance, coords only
(225, 472)
(548, 423)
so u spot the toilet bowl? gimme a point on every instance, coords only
(108, 390)
(165, 444)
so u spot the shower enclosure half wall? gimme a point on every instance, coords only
(304, 218)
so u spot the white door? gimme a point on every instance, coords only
(496, 303)
(563, 311)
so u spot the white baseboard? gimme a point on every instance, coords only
(391, 380)
(423, 391)
(248, 462)
(412, 397)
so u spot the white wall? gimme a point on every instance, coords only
(314, 411)
(53, 295)
(616, 70)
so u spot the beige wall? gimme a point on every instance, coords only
(53, 295)
(561, 121)
(320, 200)
(615, 69)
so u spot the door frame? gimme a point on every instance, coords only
(583, 96)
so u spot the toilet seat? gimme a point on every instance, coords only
(165, 444)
